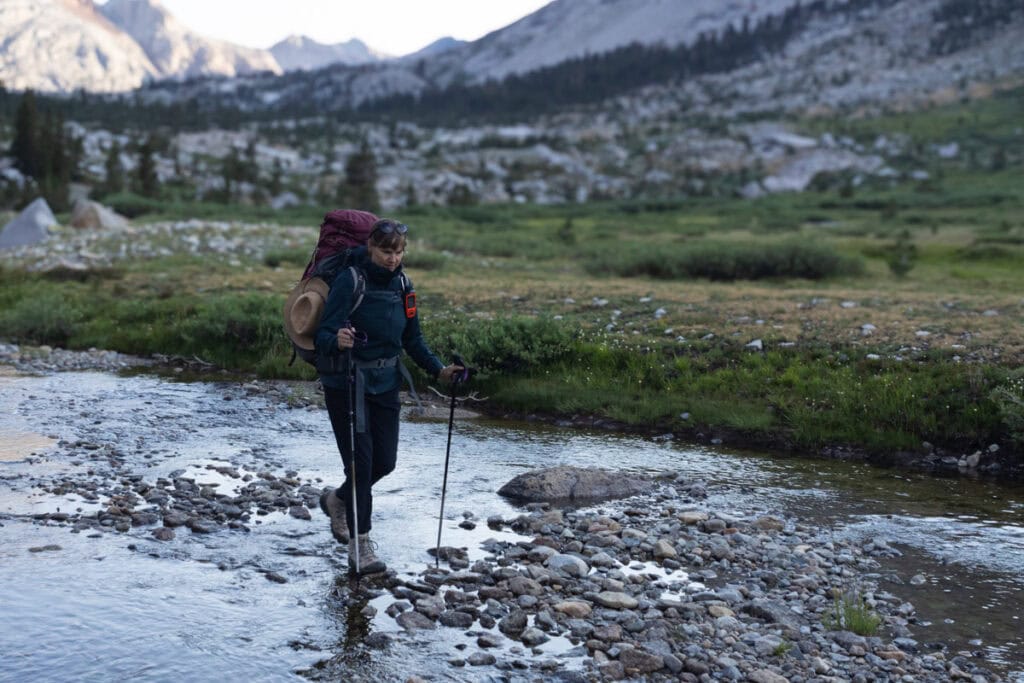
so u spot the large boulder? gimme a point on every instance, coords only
(93, 215)
(31, 226)
(573, 483)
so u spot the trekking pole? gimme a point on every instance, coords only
(462, 376)
(352, 451)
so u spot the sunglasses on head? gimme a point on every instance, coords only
(387, 227)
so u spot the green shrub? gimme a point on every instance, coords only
(902, 255)
(288, 257)
(230, 330)
(504, 345)
(132, 205)
(725, 261)
(420, 259)
(851, 613)
(1010, 399)
(48, 317)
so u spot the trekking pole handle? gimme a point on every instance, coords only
(467, 372)
(359, 338)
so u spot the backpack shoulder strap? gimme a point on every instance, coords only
(358, 289)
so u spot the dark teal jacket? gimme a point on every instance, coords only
(381, 316)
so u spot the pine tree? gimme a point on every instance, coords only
(25, 146)
(359, 189)
(53, 168)
(114, 181)
(251, 168)
(410, 195)
(276, 179)
(146, 182)
(231, 170)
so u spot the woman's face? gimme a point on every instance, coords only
(386, 257)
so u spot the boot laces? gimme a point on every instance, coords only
(367, 548)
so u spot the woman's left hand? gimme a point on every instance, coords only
(447, 373)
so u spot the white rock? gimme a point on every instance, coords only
(93, 215)
(31, 226)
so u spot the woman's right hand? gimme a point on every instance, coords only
(346, 338)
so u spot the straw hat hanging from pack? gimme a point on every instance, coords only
(303, 310)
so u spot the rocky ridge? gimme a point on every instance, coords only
(566, 29)
(178, 52)
(66, 45)
(304, 53)
(60, 45)
(878, 55)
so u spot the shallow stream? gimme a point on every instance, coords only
(107, 605)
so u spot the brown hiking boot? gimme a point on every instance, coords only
(335, 509)
(369, 563)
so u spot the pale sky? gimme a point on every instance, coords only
(395, 27)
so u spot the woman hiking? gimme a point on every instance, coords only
(367, 325)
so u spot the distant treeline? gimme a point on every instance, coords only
(580, 81)
(964, 22)
(596, 78)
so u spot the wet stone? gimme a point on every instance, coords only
(456, 619)
(609, 633)
(568, 564)
(481, 659)
(414, 621)
(145, 518)
(534, 637)
(514, 623)
(520, 585)
(641, 662)
(487, 640)
(396, 608)
(574, 608)
(175, 519)
(45, 548)
(202, 526)
(615, 600)
(430, 606)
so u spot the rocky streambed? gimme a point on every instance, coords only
(694, 578)
(667, 594)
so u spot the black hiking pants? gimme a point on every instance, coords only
(376, 448)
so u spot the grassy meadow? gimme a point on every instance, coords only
(877, 318)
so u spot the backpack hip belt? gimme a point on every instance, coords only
(377, 364)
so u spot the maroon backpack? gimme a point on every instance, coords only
(341, 230)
